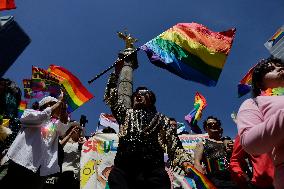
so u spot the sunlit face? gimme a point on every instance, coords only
(141, 99)
(274, 78)
(213, 128)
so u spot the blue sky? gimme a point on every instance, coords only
(81, 36)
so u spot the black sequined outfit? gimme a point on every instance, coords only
(217, 162)
(144, 136)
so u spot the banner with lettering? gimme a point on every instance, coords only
(189, 141)
(97, 158)
(98, 154)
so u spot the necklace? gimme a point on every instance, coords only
(279, 91)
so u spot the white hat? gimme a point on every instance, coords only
(46, 100)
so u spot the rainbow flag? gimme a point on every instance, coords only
(27, 88)
(23, 105)
(275, 44)
(44, 82)
(7, 4)
(191, 51)
(244, 85)
(77, 93)
(277, 36)
(195, 114)
(200, 179)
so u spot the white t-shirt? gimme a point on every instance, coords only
(36, 145)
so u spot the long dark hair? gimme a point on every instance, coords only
(263, 67)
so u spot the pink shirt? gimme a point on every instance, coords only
(261, 128)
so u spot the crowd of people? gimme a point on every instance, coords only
(44, 148)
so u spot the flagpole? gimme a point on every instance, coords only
(112, 66)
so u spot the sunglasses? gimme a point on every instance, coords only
(212, 125)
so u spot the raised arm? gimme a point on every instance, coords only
(111, 99)
(34, 118)
(257, 135)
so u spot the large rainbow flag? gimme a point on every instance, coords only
(77, 93)
(191, 51)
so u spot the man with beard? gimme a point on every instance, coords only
(144, 136)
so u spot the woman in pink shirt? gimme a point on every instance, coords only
(261, 118)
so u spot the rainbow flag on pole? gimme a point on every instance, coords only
(191, 51)
(77, 93)
(195, 114)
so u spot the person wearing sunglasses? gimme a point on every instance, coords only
(213, 153)
(144, 136)
(260, 119)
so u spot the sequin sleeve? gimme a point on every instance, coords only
(111, 99)
(173, 146)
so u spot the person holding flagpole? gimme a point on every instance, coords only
(144, 136)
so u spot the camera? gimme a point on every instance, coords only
(83, 120)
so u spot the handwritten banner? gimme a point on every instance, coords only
(98, 155)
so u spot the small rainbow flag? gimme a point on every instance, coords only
(277, 36)
(200, 179)
(77, 93)
(195, 114)
(23, 105)
(191, 51)
(244, 85)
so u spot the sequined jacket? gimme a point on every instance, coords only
(144, 135)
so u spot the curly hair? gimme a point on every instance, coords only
(263, 67)
(210, 117)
